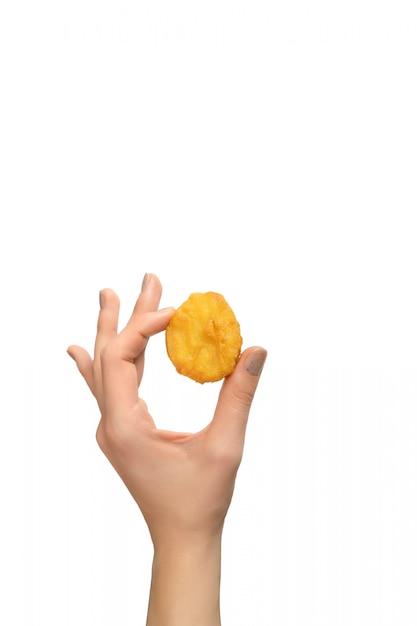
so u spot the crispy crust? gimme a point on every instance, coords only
(203, 338)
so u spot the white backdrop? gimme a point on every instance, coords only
(264, 150)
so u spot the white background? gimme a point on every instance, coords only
(265, 150)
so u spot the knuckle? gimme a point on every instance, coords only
(101, 438)
(110, 353)
(111, 436)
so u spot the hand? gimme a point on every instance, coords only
(183, 483)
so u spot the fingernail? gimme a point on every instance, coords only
(100, 299)
(145, 281)
(69, 354)
(256, 362)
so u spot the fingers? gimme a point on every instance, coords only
(148, 300)
(132, 340)
(228, 427)
(122, 359)
(145, 320)
(114, 374)
(108, 319)
(106, 331)
(118, 361)
(109, 311)
(84, 363)
(150, 295)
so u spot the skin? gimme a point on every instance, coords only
(183, 483)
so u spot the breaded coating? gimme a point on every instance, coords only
(203, 338)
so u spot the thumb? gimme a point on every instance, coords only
(235, 400)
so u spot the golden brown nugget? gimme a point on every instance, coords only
(203, 338)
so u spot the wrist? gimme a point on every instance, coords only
(185, 587)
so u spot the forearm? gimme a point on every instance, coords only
(185, 587)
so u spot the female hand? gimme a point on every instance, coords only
(183, 483)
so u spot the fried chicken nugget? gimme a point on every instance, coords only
(203, 338)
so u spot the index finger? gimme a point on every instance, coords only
(118, 361)
(122, 359)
